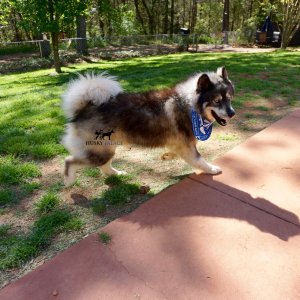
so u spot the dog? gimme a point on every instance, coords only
(99, 134)
(108, 134)
(157, 118)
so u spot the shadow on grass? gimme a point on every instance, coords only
(121, 191)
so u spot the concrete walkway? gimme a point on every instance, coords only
(232, 236)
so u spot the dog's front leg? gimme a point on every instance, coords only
(191, 155)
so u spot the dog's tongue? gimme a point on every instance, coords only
(221, 121)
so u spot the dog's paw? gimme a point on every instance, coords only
(121, 172)
(68, 181)
(214, 169)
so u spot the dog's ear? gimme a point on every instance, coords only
(203, 83)
(221, 71)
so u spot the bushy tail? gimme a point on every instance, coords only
(89, 87)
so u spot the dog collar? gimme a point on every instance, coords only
(202, 128)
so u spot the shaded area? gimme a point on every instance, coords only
(188, 204)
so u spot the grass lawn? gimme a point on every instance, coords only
(39, 217)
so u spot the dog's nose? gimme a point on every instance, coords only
(230, 112)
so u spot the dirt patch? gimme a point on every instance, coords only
(5, 59)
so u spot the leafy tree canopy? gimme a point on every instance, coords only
(50, 15)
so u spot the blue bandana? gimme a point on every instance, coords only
(202, 128)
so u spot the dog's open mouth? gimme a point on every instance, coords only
(221, 121)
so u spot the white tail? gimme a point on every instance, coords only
(89, 87)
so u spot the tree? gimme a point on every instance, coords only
(172, 17)
(9, 18)
(290, 20)
(50, 16)
(225, 25)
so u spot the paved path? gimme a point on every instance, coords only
(232, 236)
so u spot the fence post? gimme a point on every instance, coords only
(81, 42)
(44, 45)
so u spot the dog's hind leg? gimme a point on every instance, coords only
(72, 164)
(103, 160)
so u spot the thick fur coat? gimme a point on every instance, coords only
(102, 116)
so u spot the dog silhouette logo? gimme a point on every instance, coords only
(100, 134)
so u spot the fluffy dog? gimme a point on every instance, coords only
(159, 118)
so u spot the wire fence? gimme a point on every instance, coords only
(135, 45)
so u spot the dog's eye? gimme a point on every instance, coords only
(218, 100)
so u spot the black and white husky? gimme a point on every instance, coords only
(96, 106)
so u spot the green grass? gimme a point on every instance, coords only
(121, 191)
(227, 137)
(91, 172)
(293, 101)
(47, 203)
(99, 206)
(249, 115)
(7, 196)
(117, 179)
(13, 171)
(262, 108)
(15, 177)
(4, 230)
(104, 237)
(30, 187)
(17, 248)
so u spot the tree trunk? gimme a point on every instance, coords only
(290, 22)
(25, 30)
(166, 12)
(151, 18)
(250, 9)
(194, 16)
(101, 28)
(225, 25)
(14, 25)
(81, 44)
(233, 17)
(209, 18)
(172, 17)
(54, 41)
(139, 16)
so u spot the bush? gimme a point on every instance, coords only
(18, 48)
(6, 196)
(122, 193)
(48, 203)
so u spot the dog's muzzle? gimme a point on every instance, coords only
(230, 112)
(220, 120)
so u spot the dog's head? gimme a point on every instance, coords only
(215, 92)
